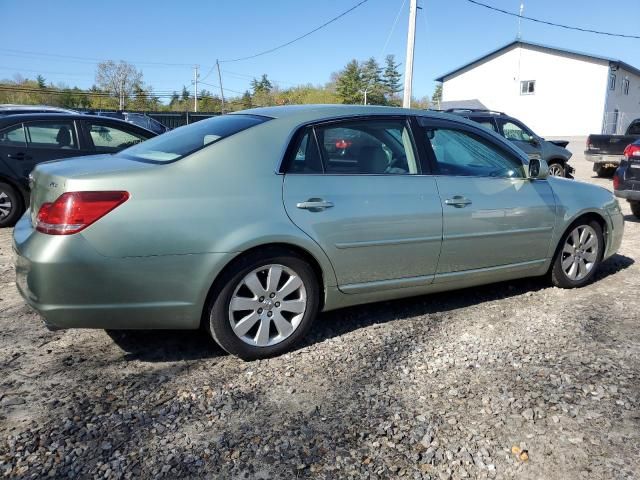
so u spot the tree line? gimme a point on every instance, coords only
(121, 83)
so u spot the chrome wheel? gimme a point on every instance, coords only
(556, 170)
(5, 205)
(580, 252)
(268, 305)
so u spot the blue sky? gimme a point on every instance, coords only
(449, 33)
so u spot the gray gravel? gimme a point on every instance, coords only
(510, 380)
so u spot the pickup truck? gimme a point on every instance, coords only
(606, 151)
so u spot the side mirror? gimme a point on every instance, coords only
(534, 141)
(538, 169)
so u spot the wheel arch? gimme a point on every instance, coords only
(280, 247)
(22, 194)
(588, 216)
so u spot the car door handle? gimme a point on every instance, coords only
(19, 156)
(458, 201)
(314, 205)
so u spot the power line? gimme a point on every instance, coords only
(393, 27)
(297, 38)
(545, 22)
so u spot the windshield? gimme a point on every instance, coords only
(185, 140)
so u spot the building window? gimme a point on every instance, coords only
(527, 87)
(625, 86)
(612, 81)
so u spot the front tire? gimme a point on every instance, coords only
(264, 304)
(579, 255)
(10, 206)
(635, 208)
(556, 169)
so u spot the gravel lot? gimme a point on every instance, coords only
(509, 380)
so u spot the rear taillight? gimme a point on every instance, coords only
(616, 181)
(75, 211)
(632, 150)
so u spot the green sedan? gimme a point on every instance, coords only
(251, 223)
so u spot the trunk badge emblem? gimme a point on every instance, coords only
(53, 185)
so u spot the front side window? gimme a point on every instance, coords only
(50, 134)
(513, 131)
(462, 153)
(107, 138)
(13, 136)
(527, 87)
(379, 147)
(186, 140)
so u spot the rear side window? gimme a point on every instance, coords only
(186, 140)
(48, 134)
(107, 138)
(634, 129)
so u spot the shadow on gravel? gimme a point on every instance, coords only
(165, 345)
(631, 219)
(339, 322)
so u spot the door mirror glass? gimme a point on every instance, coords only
(538, 169)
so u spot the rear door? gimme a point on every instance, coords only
(520, 136)
(493, 215)
(356, 187)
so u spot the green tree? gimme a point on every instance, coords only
(118, 79)
(42, 83)
(262, 86)
(436, 98)
(246, 100)
(391, 79)
(371, 75)
(185, 94)
(349, 83)
(175, 98)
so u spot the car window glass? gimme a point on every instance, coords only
(367, 147)
(515, 132)
(306, 158)
(464, 153)
(487, 123)
(50, 134)
(13, 136)
(110, 138)
(634, 129)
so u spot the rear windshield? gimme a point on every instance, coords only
(185, 140)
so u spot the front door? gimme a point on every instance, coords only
(357, 189)
(493, 215)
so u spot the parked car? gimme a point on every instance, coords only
(12, 109)
(626, 180)
(29, 139)
(249, 224)
(607, 151)
(139, 119)
(554, 152)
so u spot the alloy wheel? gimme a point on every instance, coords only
(267, 305)
(580, 252)
(5, 205)
(556, 170)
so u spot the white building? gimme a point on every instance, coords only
(554, 91)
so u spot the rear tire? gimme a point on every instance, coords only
(604, 172)
(556, 169)
(264, 304)
(578, 255)
(10, 205)
(635, 208)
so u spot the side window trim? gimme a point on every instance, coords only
(509, 150)
(24, 134)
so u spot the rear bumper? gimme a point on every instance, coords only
(72, 286)
(633, 195)
(603, 159)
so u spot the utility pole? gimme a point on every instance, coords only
(220, 82)
(520, 20)
(411, 42)
(365, 95)
(122, 94)
(195, 87)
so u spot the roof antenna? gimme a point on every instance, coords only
(520, 20)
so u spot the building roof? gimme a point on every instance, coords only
(540, 46)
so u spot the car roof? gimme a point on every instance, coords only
(25, 117)
(310, 113)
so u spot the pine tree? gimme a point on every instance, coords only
(246, 100)
(185, 93)
(437, 96)
(263, 85)
(391, 78)
(349, 83)
(42, 83)
(372, 82)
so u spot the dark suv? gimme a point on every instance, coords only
(553, 152)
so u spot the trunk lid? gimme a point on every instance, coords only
(49, 180)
